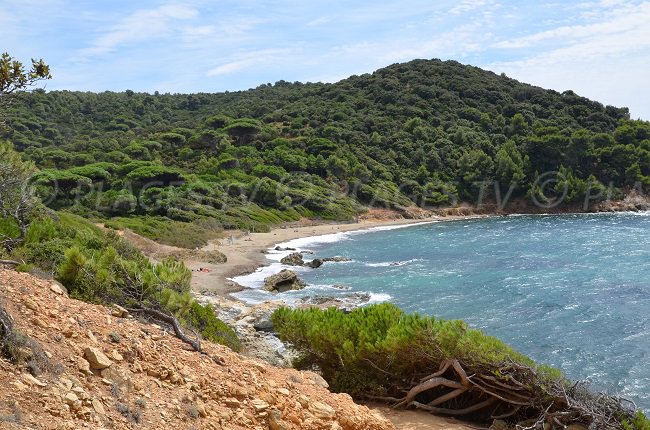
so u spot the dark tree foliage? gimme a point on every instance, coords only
(423, 132)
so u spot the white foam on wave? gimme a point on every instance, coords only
(379, 298)
(254, 281)
(393, 263)
(303, 243)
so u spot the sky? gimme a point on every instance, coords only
(600, 49)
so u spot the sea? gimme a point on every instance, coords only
(571, 291)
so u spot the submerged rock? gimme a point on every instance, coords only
(335, 259)
(286, 280)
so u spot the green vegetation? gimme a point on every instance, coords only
(101, 267)
(379, 352)
(175, 233)
(426, 133)
(14, 77)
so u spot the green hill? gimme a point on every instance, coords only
(422, 133)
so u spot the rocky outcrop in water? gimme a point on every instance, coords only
(286, 280)
(345, 302)
(315, 263)
(293, 259)
(296, 259)
(335, 259)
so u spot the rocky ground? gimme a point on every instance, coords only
(87, 366)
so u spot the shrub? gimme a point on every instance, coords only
(380, 352)
(202, 317)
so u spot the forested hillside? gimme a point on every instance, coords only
(422, 133)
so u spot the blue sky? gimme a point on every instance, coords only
(599, 48)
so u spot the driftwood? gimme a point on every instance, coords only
(171, 321)
(178, 330)
(10, 263)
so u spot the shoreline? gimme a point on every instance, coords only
(248, 251)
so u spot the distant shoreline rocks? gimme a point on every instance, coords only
(297, 259)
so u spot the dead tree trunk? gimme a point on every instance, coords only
(171, 321)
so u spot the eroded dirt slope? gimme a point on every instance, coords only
(99, 369)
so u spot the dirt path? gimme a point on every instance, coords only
(420, 420)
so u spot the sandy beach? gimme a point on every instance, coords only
(246, 253)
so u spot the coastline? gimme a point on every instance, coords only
(248, 251)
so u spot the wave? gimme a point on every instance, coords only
(379, 298)
(304, 243)
(393, 263)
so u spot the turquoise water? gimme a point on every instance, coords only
(572, 291)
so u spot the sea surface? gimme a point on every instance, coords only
(572, 291)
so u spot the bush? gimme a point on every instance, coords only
(379, 352)
(167, 231)
(202, 318)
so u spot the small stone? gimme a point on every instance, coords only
(275, 420)
(284, 391)
(97, 359)
(31, 305)
(316, 379)
(71, 399)
(91, 336)
(259, 405)
(117, 356)
(19, 385)
(322, 410)
(39, 323)
(83, 366)
(232, 403)
(57, 289)
(303, 400)
(33, 381)
(200, 407)
(119, 312)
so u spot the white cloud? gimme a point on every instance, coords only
(469, 5)
(141, 25)
(319, 21)
(199, 32)
(630, 21)
(247, 60)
